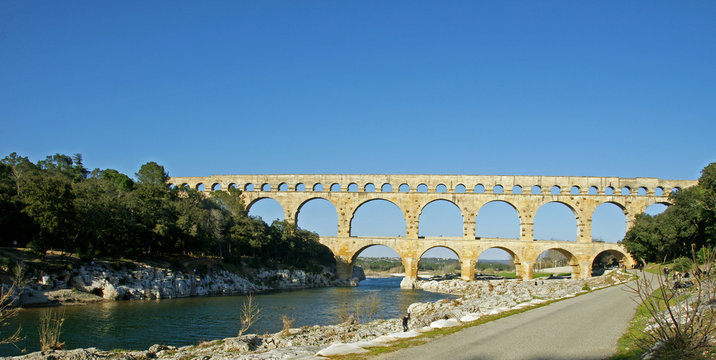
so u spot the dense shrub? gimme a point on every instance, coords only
(683, 264)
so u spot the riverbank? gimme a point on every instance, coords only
(71, 282)
(478, 299)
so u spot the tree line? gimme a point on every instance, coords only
(689, 222)
(58, 204)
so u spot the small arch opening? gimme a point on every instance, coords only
(403, 188)
(300, 187)
(318, 187)
(335, 187)
(517, 189)
(352, 187)
(642, 191)
(556, 190)
(498, 189)
(282, 187)
(379, 261)
(216, 187)
(593, 190)
(609, 190)
(536, 189)
(422, 188)
(607, 260)
(553, 264)
(199, 187)
(495, 263)
(460, 189)
(659, 191)
(441, 188)
(437, 262)
(479, 189)
(575, 190)
(233, 186)
(369, 187)
(386, 188)
(266, 187)
(626, 190)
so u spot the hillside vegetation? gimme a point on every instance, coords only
(58, 204)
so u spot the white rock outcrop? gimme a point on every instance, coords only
(143, 281)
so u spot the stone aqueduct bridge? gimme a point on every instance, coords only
(411, 193)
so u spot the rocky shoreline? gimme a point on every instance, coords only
(101, 282)
(479, 298)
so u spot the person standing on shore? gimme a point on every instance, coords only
(406, 318)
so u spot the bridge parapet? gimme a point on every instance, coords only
(433, 183)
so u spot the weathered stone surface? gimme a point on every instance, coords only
(92, 283)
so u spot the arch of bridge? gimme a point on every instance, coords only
(412, 203)
(626, 256)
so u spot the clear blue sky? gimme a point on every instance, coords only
(606, 88)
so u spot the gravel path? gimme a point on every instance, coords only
(585, 327)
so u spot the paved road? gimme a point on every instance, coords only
(584, 327)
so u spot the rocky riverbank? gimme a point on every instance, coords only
(479, 298)
(100, 282)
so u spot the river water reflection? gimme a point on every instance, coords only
(188, 321)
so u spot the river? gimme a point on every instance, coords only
(188, 321)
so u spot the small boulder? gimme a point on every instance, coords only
(341, 349)
(444, 323)
(239, 345)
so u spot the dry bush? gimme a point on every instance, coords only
(344, 315)
(250, 313)
(373, 306)
(287, 322)
(364, 310)
(681, 312)
(50, 330)
(8, 310)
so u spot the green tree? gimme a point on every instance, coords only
(49, 203)
(18, 167)
(152, 173)
(121, 181)
(104, 220)
(16, 228)
(690, 221)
